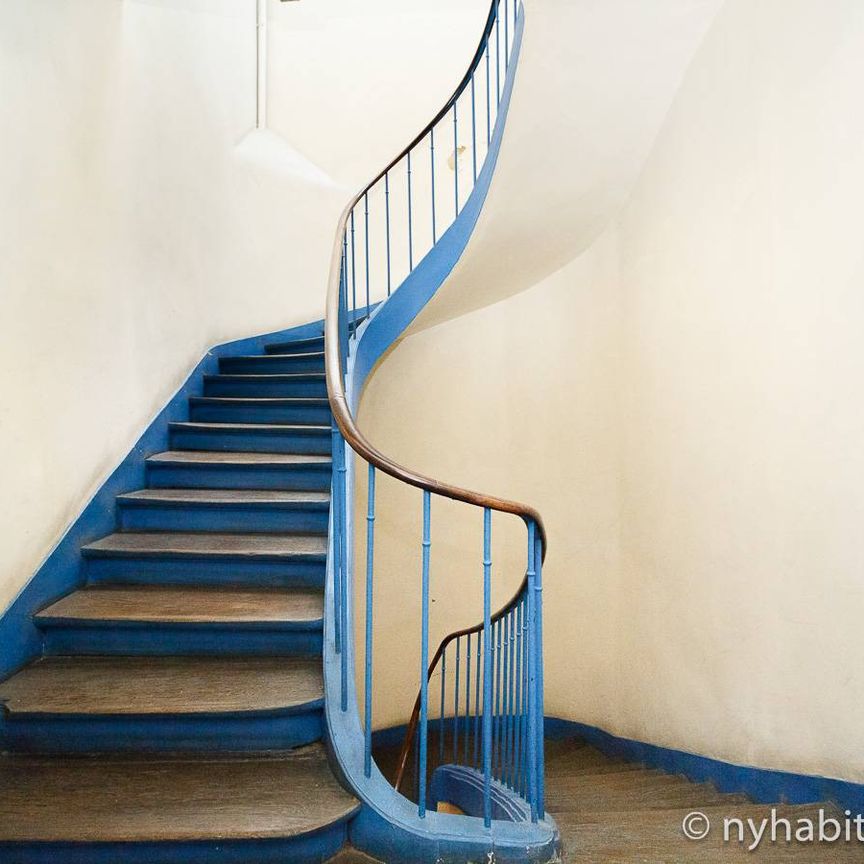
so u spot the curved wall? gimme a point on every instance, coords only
(680, 402)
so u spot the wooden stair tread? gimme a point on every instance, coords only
(180, 605)
(162, 685)
(305, 428)
(225, 496)
(307, 355)
(135, 799)
(167, 543)
(261, 400)
(225, 457)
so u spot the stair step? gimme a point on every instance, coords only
(299, 346)
(311, 384)
(273, 364)
(225, 409)
(251, 437)
(217, 801)
(205, 558)
(225, 470)
(117, 619)
(228, 510)
(83, 704)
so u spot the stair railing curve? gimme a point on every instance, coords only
(502, 741)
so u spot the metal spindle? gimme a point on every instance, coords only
(441, 716)
(432, 161)
(488, 99)
(456, 156)
(370, 570)
(497, 57)
(532, 674)
(506, 35)
(337, 548)
(538, 641)
(410, 221)
(467, 726)
(477, 705)
(473, 129)
(424, 654)
(498, 718)
(343, 608)
(366, 237)
(487, 667)
(456, 700)
(353, 271)
(387, 216)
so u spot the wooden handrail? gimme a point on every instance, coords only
(360, 444)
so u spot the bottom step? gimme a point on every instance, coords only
(287, 807)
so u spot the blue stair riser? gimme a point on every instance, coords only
(271, 365)
(223, 518)
(313, 847)
(252, 441)
(203, 411)
(312, 478)
(125, 638)
(275, 387)
(302, 346)
(163, 733)
(145, 570)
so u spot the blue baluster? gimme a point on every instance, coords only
(344, 573)
(441, 725)
(488, 98)
(387, 216)
(477, 705)
(532, 672)
(506, 35)
(487, 667)
(473, 129)
(337, 545)
(467, 720)
(432, 160)
(353, 272)
(523, 744)
(499, 720)
(370, 570)
(456, 156)
(497, 57)
(410, 221)
(424, 655)
(538, 614)
(508, 706)
(366, 237)
(456, 700)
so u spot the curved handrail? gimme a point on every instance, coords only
(345, 421)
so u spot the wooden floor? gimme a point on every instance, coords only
(159, 799)
(612, 812)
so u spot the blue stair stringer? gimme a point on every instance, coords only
(388, 825)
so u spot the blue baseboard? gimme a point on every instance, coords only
(761, 784)
(63, 569)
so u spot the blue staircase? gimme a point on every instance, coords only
(176, 712)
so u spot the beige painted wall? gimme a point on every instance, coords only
(143, 221)
(680, 402)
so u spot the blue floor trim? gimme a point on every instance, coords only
(761, 784)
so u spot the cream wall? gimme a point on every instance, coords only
(680, 403)
(142, 220)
